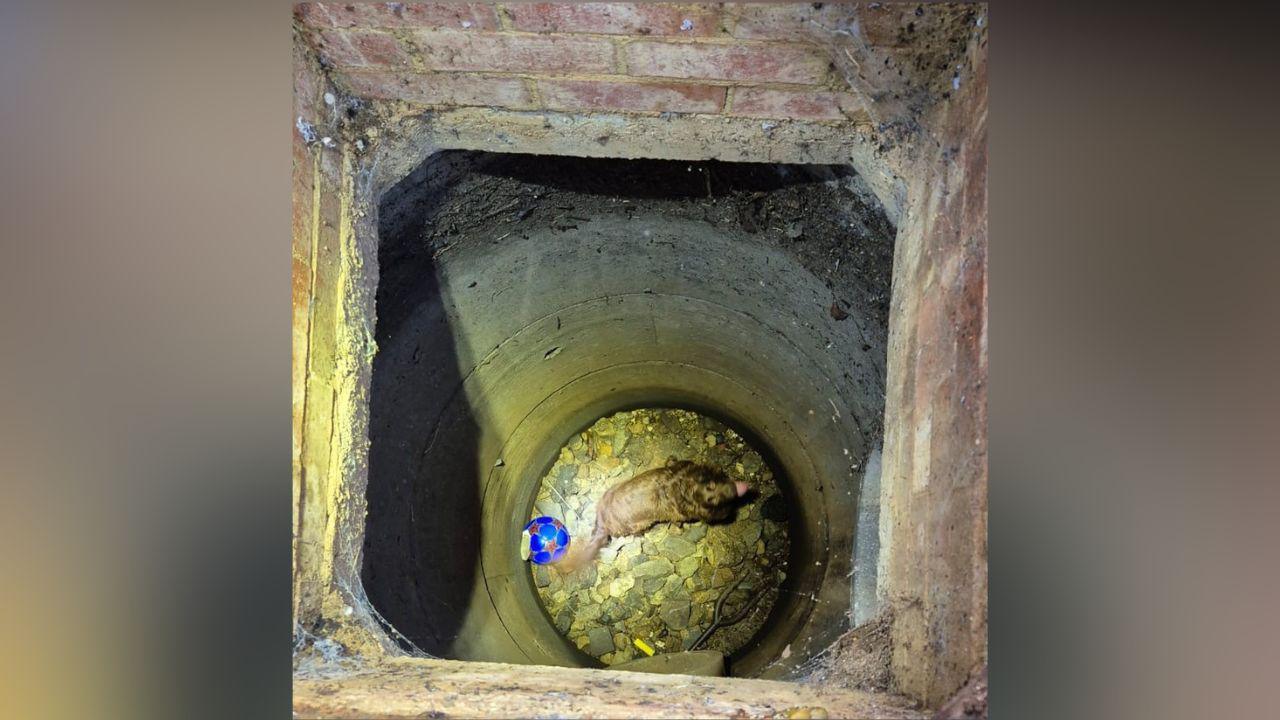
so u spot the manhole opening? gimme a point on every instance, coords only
(521, 299)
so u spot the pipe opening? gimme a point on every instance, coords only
(657, 591)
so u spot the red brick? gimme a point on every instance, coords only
(312, 14)
(306, 93)
(886, 25)
(636, 97)
(551, 54)
(378, 49)
(789, 104)
(790, 21)
(302, 187)
(441, 89)
(616, 18)
(361, 48)
(758, 63)
(461, 16)
(334, 47)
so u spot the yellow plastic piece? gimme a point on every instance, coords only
(644, 647)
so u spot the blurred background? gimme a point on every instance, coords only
(144, 360)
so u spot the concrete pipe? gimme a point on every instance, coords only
(507, 322)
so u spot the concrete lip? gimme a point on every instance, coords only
(707, 663)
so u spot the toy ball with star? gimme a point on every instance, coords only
(545, 540)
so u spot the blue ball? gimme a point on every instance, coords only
(548, 539)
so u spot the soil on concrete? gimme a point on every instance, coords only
(859, 660)
(661, 587)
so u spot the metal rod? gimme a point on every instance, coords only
(718, 620)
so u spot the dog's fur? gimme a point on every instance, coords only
(680, 491)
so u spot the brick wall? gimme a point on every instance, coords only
(737, 60)
(327, 323)
(933, 530)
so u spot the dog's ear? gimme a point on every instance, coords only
(706, 494)
(714, 475)
(713, 493)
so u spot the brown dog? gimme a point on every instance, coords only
(680, 491)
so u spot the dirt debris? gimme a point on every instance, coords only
(859, 660)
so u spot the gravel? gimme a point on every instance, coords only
(661, 587)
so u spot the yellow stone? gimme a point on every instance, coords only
(621, 585)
